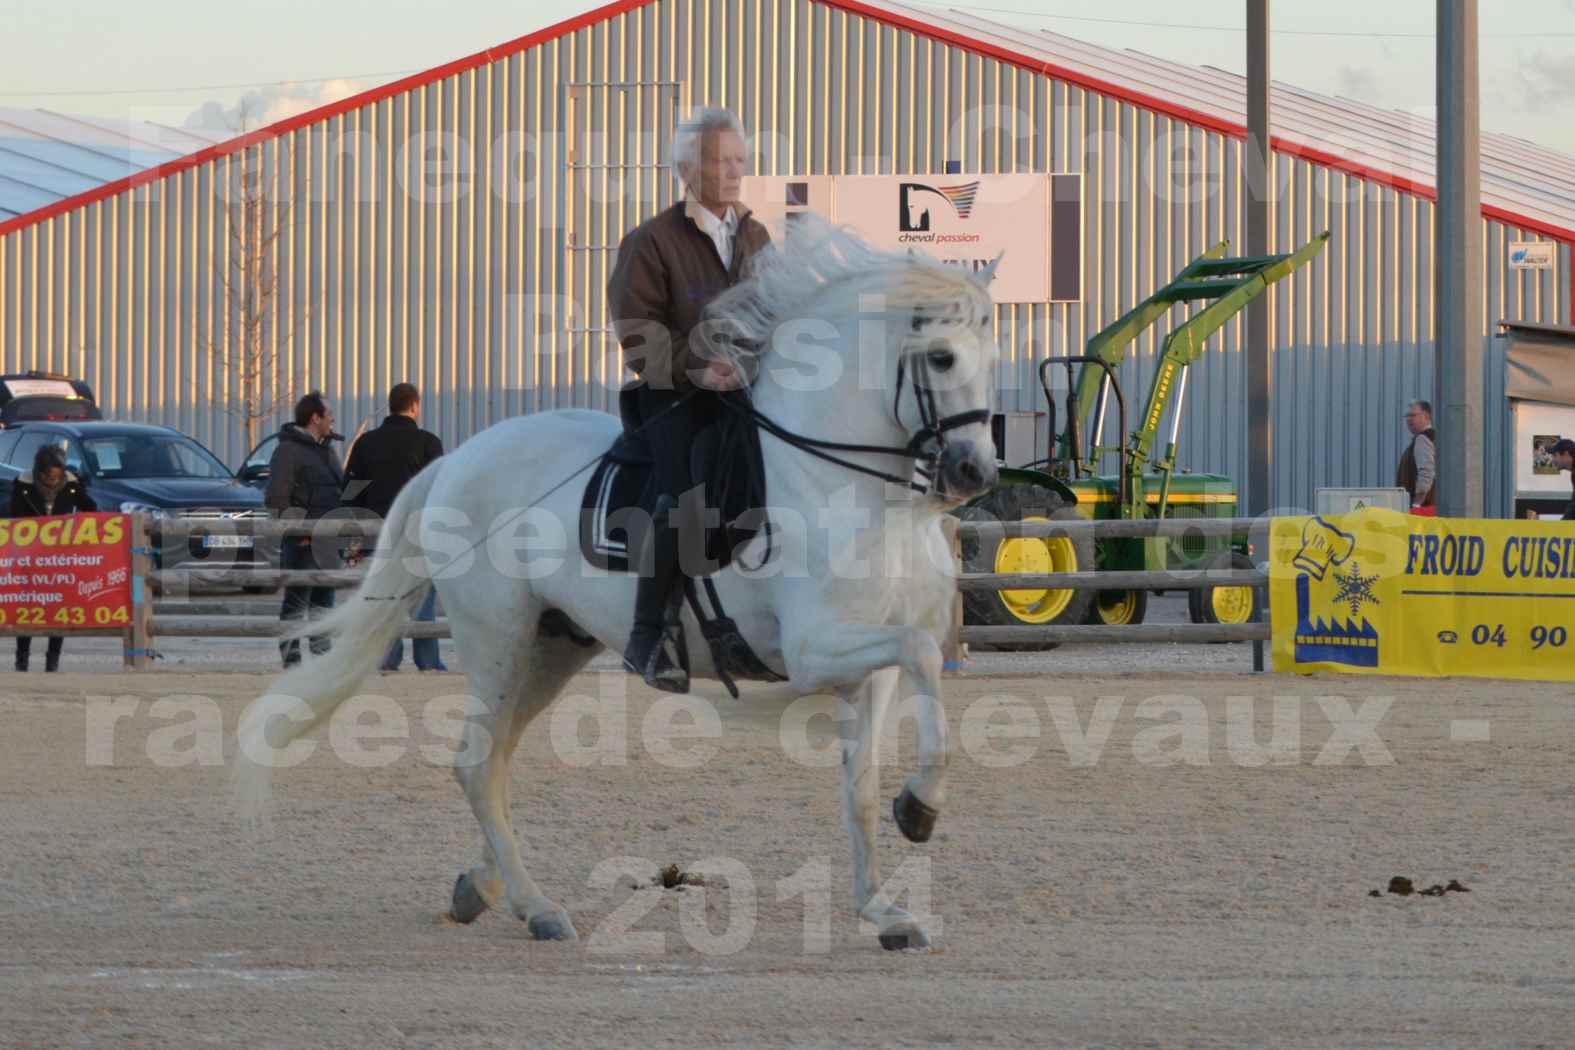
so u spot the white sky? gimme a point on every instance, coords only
(87, 56)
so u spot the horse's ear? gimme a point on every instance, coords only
(987, 274)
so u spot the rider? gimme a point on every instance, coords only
(668, 268)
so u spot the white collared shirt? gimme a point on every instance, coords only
(721, 231)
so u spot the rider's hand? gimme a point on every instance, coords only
(721, 375)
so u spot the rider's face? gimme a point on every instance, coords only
(719, 179)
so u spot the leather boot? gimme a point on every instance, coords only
(652, 652)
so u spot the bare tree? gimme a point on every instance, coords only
(252, 342)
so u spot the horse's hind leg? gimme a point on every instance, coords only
(511, 691)
(861, 727)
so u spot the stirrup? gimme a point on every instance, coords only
(657, 667)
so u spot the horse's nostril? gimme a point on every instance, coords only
(971, 472)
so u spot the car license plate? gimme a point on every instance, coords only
(226, 541)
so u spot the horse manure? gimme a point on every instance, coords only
(673, 877)
(1401, 886)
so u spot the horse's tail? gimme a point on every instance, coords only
(362, 630)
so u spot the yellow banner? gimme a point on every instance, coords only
(1387, 593)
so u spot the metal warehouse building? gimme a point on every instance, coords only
(455, 228)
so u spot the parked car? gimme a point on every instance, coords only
(135, 467)
(45, 395)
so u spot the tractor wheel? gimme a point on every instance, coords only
(1027, 607)
(1118, 608)
(1224, 604)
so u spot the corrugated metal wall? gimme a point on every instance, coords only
(452, 236)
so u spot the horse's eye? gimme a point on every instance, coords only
(941, 360)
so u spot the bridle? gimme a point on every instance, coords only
(924, 446)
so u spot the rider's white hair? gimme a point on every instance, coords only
(788, 278)
(690, 135)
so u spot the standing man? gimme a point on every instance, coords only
(1563, 453)
(667, 270)
(304, 482)
(1418, 470)
(49, 489)
(380, 465)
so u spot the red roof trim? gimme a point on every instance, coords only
(618, 7)
(1191, 116)
(333, 109)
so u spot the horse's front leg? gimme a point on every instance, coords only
(822, 656)
(861, 719)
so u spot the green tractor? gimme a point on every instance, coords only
(1147, 484)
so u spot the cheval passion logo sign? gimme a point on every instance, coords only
(913, 213)
(1032, 222)
(965, 222)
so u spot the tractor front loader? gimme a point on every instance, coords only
(1065, 485)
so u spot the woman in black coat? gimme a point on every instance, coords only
(49, 489)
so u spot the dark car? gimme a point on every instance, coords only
(134, 467)
(45, 395)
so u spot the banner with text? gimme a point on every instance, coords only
(1034, 222)
(65, 572)
(1387, 593)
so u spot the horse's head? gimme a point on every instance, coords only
(940, 334)
(897, 348)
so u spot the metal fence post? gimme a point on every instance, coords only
(1260, 598)
(137, 640)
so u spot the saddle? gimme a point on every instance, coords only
(621, 499)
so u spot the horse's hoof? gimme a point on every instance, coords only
(914, 818)
(467, 905)
(552, 926)
(905, 938)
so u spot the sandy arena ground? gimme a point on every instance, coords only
(1086, 896)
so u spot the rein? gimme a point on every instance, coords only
(933, 429)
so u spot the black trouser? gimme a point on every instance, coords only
(310, 602)
(670, 422)
(24, 646)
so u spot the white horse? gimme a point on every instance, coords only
(902, 357)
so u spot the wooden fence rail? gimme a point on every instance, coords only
(209, 619)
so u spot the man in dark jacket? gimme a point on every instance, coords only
(304, 482)
(380, 465)
(1563, 453)
(49, 489)
(1418, 470)
(668, 269)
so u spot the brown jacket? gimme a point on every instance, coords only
(667, 271)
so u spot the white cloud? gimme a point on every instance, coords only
(258, 109)
(1358, 83)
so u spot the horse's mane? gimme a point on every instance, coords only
(793, 278)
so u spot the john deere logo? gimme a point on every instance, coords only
(913, 213)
